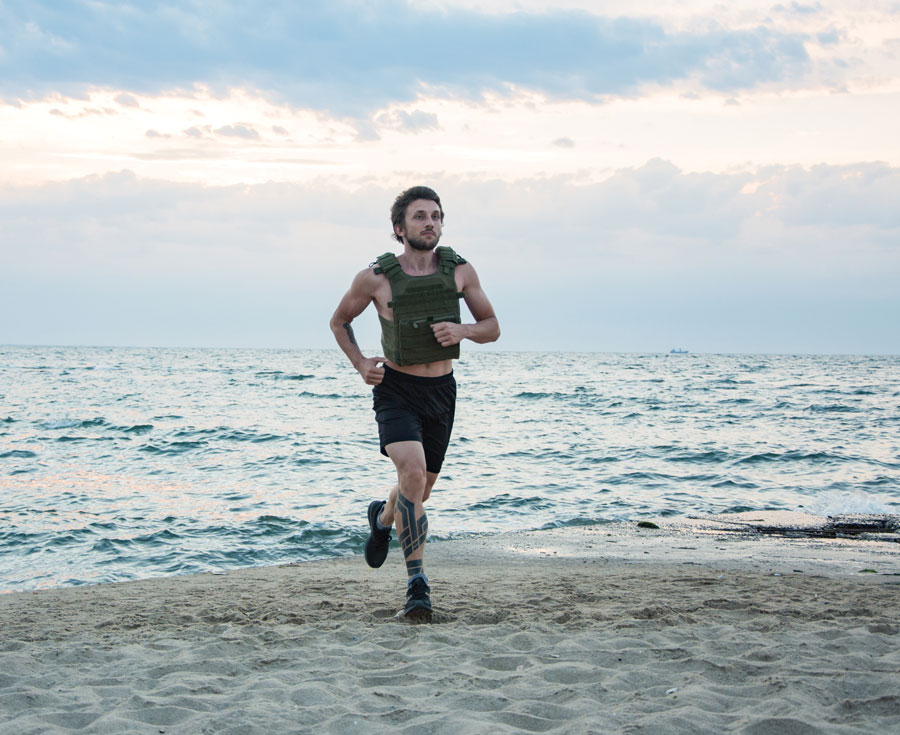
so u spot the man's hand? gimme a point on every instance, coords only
(370, 371)
(448, 333)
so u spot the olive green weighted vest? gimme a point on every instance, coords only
(418, 302)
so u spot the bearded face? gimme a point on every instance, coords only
(422, 225)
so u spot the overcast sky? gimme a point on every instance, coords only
(625, 176)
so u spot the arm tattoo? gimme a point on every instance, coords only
(414, 529)
(350, 333)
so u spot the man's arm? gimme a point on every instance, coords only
(352, 305)
(486, 327)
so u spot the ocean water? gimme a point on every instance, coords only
(119, 464)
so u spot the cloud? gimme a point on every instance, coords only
(84, 112)
(352, 59)
(238, 131)
(796, 8)
(416, 121)
(568, 264)
(564, 143)
(127, 100)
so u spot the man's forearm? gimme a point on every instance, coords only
(485, 330)
(346, 339)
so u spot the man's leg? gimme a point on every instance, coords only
(409, 512)
(411, 521)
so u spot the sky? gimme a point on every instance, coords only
(624, 176)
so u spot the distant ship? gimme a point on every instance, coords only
(678, 351)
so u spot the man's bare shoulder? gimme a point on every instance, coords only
(467, 273)
(367, 279)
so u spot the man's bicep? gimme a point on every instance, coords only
(476, 298)
(357, 298)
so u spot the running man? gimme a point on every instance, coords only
(416, 295)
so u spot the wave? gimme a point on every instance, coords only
(841, 503)
(18, 454)
(135, 429)
(507, 501)
(70, 423)
(172, 447)
(833, 408)
(711, 456)
(789, 456)
(745, 485)
(824, 458)
(537, 396)
(237, 435)
(281, 375)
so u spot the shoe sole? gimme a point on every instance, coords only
(372, 558)
(418, 615)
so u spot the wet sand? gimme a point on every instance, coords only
(694, 627)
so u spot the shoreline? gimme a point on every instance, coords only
(687, 628)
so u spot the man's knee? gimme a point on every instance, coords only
(409, 459)
(413, 480)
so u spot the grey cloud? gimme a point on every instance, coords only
(84, 112)
(828, 38)
(627, 250)
(564, 143)
(332, 56)
(416, 121)
(238, 131)
(796, 8)
(366, 131)
(127, 100)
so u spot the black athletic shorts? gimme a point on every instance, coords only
(413, 408)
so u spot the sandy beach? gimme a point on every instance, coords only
(694, 627)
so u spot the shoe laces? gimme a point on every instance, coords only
(417, 587)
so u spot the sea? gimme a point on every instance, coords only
(127, 463)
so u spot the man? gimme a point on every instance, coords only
(416, 295)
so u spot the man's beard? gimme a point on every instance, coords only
(418, 243)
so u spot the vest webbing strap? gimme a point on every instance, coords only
(390, 266)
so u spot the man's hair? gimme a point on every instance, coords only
(398, 211)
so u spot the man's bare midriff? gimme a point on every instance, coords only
(425, 370)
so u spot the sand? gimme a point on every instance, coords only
(690, 628)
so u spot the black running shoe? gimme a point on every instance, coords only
(418, 603)
(379, 540)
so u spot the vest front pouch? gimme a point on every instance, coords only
(418, 302)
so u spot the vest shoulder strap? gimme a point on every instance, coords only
(448, 259)
(389, 265)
